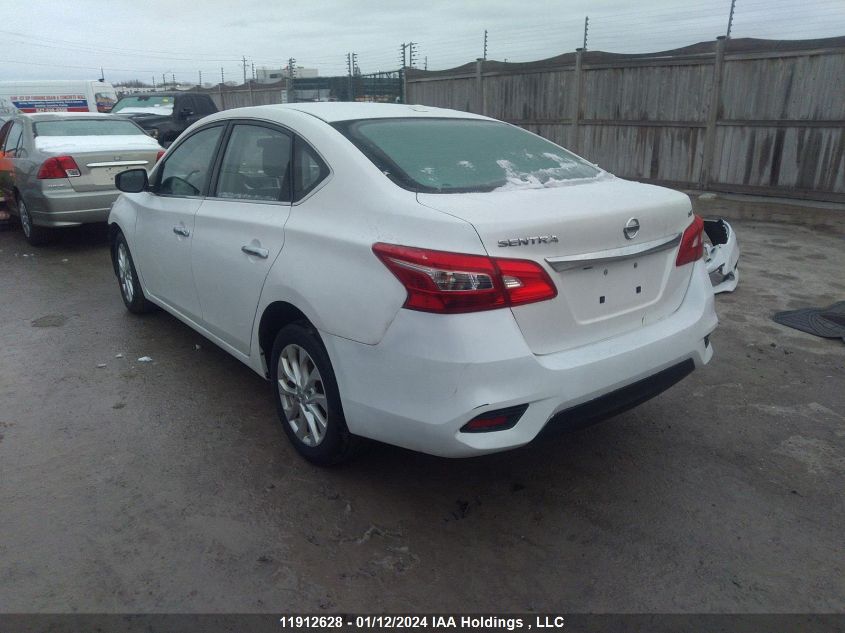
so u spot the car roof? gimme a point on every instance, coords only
(174, 93)
(331, 112)
(60, 116)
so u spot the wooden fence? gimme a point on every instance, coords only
(736, 115)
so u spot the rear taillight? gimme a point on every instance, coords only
(449, 283)
(58, 167)
(159, 155)
(692, 243)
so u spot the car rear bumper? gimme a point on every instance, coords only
(66, 207)
(431, 374)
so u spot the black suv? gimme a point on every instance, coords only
(165, 115)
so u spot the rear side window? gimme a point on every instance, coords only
(256, 165)
(204, 105)
(188, 167)
(4, 131)
(87, 127)
(461, 155)
(309, 170)
(13, 140)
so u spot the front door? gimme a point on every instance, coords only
(165, 221)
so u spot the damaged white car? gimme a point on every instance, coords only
(721, 255)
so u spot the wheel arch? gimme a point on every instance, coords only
(276, 316)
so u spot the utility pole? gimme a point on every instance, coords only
(173, 78)
(412, 54)
(292, 68)
(731, 18)
(426, 62)
(163, 82)
(102, 76)
(200, 76)
(349, 73)
(485, 45)
(244, 64)
(154, 82)
(586, 28)
(403, 57)
(356, 70)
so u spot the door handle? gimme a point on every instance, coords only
(249, 249)
(181, 230)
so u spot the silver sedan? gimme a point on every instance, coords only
(58, 169)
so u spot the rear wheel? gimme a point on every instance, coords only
(127, 278)
(307, 397)
(35, 235)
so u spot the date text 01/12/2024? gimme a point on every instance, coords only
(303, 622)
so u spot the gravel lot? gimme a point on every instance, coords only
(170, 486)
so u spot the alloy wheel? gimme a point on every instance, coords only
(303, 395)
(124, 273)
(26, 221)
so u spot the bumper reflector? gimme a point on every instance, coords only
(497, 420)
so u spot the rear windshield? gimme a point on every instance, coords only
(142, 104)
(463, 155)
(86, 127)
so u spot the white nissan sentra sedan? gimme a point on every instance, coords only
(429, 278)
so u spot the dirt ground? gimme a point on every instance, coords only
(170, 487)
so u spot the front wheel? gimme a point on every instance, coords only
(35, 235)
(127, 278)
(307, 397)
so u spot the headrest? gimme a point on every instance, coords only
(275, 155)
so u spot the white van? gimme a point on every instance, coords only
(72, 95)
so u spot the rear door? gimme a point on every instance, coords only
(165, 217)
(240, 228)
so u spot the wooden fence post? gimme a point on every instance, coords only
(713, 115)
(479, 78)
(576, 106)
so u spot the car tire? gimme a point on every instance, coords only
(127, 279)
(307, 397)
(35, 235)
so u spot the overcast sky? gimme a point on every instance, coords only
(55, 39)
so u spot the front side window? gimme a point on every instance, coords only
(87, 127)
(256, 165)
(462, 155)
(186, 171)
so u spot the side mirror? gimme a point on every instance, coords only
(186, 112)
(132, 181)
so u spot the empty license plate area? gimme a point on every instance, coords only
(105, 175)
(600, 291)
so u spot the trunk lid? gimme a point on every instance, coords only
(101, 158)
(607, 283)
